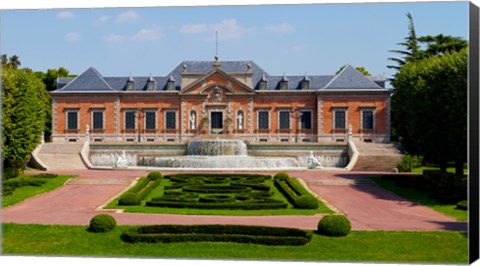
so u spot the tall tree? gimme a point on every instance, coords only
(440, 44)
(430, 102)
(25, 103)
(13, 61)
(412, 48)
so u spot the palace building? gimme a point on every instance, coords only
(234, 99)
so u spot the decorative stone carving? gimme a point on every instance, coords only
(312, 161)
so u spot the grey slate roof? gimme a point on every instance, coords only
(350, 78)
(91, 81)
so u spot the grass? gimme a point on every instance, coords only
(421, 198)
(22, 193)
(367, 246)
(322, 208)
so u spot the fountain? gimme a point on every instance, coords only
(217, 147)
(218, 154)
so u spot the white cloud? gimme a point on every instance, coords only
(126, 17)
(72, 37)
(115, 38)
(65, 15)
(280, 28)
(194, 28)
(103, 19)
(230, 29)
(147, 35)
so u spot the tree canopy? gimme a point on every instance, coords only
(430, 107)
(25, 106)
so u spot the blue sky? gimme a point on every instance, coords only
(292, 39)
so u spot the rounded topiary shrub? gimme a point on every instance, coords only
(462, 205)
(306, 202)
(154, 175)
(281, 176)
(334, 225)
(102, 223)
(129, 199)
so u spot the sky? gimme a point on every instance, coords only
(293, 39)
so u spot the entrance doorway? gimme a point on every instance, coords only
(217, 121)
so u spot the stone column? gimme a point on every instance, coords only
(319, 117)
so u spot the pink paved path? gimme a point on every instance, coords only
(367, 206)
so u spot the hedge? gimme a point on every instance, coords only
(296, 194)
(225, 233)
(251, 204)
(143, 187)
(154, 175)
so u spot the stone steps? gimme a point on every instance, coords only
(64, 156)
(377, 157)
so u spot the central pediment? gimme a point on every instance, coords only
(203, 84)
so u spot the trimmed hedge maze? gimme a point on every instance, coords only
(140, 191)
(264, 235)
(218, 191)
(295, 192)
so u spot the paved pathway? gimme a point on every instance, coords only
(367, 206)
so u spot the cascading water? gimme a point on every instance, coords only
(217, 147)
(217, 154)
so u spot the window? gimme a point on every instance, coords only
(150, 120)
(340, 119)
(72, 120)
(305, 84)
(97, 119)
(170, 120)
(151, 85)
(367, 119)
(263, 85)
(263, 120)
(306, 120)
(171, 85)
(130, 120)
(283, 85)
(284, 117)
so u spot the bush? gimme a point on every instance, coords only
(306, 202)
(462, 205)
(334, 225)
(129, 199)
(225, 233)
(414, 160)
(45, 175)
(154, 175)
(281, 176)
(102, 223)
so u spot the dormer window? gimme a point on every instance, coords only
(151, 84)
(263, 83)
(171, 84)
(305, 83)
(284, 83)
(130, 84)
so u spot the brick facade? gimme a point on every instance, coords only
(221, 98)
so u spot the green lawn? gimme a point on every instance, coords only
(165, 182)
(368, 246)
(419, 197)
(22, 193)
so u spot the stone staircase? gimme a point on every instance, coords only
(377, 157)
(61, 156)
